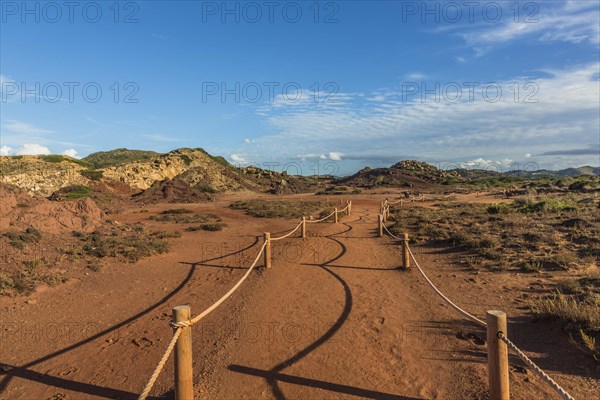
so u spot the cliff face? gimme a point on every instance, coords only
(194, 166)
(42, 174)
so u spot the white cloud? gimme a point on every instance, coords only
(247, 141)
(415, 76)
(488, 165)
(335, 156)
(237, 158)
(71, 153)
(5, 151)
(32, 149)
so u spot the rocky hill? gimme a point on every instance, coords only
(142, 171)
(42, 174)
(408, 173)
(194, 166)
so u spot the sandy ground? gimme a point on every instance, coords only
(334, 318)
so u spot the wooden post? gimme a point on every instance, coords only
(400, 202)
(405, 254)
(497, 356)
(380, 224)
(303, 227)
(184, 385)
(336, 216)
(349, 207)
(267, 237)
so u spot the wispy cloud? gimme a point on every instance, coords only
(415, 76)
(157, 137)
(591, 150)
(566, 110)
(23, 128)
(567, 21)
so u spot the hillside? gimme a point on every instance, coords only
(194, 166)
(42, 174)
(121, 156)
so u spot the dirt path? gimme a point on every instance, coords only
(334, 318)
(335, 321)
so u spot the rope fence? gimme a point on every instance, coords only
(495, 325)
(185, 383)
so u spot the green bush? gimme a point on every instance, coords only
(94, 175)
(498, 208)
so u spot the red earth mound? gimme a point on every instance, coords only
(20, 210)
(171, 191)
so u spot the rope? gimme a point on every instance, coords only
(535, 368)
(160, 365)
(322, 219)
(501, 335)
(233, 289)
(457, 308)
(180, 325)
(288, 234)
(390, 233)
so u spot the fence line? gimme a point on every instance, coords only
(178, 326)
(500, 335)
(289, 233)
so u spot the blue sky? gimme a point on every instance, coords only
(329, 85)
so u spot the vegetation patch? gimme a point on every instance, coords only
(185, 158)
(94, 175)
(56, 158)
(283, 209)
(209, 226)
(25, 279)
(576, 304)
(21, 239)
(103, 159)
(73, 192)
(184, 216)
(529, 234)
(130, 248)
(339, 190)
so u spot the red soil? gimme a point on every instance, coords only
(333, 318)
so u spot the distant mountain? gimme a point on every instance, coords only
(586, 170)
(475, 174)
(407, 173)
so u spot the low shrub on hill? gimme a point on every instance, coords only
(184, 216)
(282, 209)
